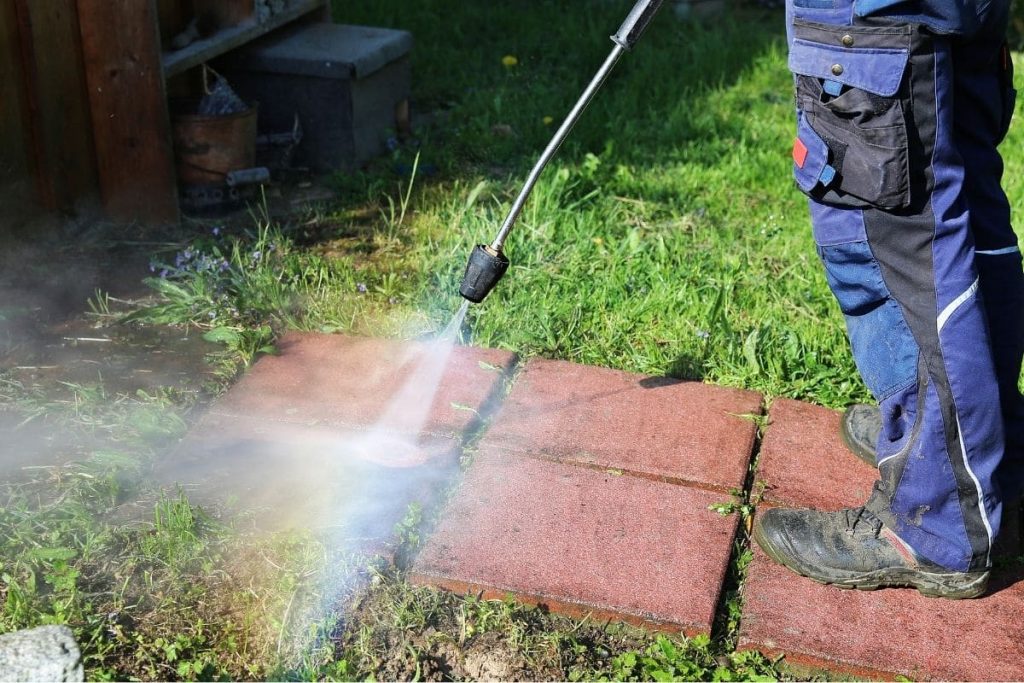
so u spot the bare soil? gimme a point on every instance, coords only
(459, 640)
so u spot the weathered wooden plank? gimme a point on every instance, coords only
(64, 125)
(131, 126)
(31, 106)
(14, 159)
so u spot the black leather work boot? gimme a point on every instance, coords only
(853, 549)
(860, 427)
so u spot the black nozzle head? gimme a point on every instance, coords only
(483, 271)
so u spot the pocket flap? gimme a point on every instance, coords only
(878, 70)
(810, 157)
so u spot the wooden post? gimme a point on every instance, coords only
(131, 124)
(64, 124)
(31, 109)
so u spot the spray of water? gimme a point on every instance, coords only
(388, 461)
(392, 441)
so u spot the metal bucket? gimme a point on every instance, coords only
(206, 148)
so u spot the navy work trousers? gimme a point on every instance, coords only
(897, 129)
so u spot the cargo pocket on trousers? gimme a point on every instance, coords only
(848, 98)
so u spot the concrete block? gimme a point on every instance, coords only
(346, 381)
(805, 463)
(346, 83)
(885, 633)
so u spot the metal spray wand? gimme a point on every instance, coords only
(487, 263)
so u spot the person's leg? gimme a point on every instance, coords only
(876, 153)
(983, 94)
(983, 105)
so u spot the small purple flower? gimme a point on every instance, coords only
(256, 255)
(392, 143)
(216, 231)
(361, 288)
(703, 334)
(164, 273)
(224, 265)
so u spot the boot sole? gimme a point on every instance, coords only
(953, 586)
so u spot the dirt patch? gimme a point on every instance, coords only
(396, 631)
(490, 658)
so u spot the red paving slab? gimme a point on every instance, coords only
(338, 432)
(284, 476)
(582, 540)
(804, 462)
(353, 382)
(653, 426)
(880, 634)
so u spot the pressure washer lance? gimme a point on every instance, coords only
(487, 263)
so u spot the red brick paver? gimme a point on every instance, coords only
(804, 462)
(868, 634)
(304, 438)
(666, 429)
(349, 382)
(886, 632)
(582, 540)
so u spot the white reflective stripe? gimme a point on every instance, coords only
(998, 252)
(887, 459)
(955, 304)
(977, 486)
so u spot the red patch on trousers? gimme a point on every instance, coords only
(799, 152)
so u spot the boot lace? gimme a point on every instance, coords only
(861, 515)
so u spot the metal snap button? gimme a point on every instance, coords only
(837, 69)
(847, 40)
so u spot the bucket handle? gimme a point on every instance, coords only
(207, 70)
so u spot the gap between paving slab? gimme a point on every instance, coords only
(672, 430)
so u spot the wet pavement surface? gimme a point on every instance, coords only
(303, 439)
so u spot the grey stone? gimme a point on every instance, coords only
(47, 653)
